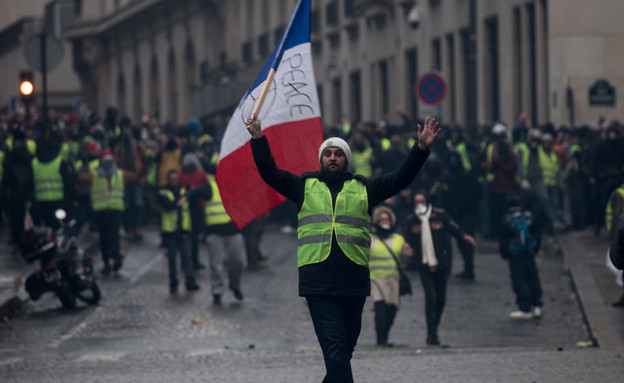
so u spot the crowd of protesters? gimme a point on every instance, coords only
(569, 178)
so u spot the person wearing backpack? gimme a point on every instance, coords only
(519, 242)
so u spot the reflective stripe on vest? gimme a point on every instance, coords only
(362, 162)
(215, 212)
(350, 221)
(523, 149)
(549, 164)
(462, 150)
(609, 213)
(48, 180)
(489, 154)
(169, 219)
(381, 264)
(103, 198)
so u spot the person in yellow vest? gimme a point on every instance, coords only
(387, 247)
(107, 186)
(169, 157)
(334, 234)
(362, 155)
(616, 250)
(551, 177)
(88, 164)
(53, 180)
(175, 227)
(226, 246)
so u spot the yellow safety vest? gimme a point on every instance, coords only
(349, 222)
(382, 264)
(362, 162)
(609, 213)
(169, 219)
(549, 164)
(462, 150)
(31, 145)
(524, 153)
(215, 212)
(48, 180)
(103, 198)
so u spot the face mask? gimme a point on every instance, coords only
(421, 208)
(383, 231)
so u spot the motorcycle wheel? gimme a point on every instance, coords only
(90, 295)
(65, 295)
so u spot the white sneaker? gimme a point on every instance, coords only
(537, 312)
(521, 315)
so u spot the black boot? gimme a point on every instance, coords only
(381, 320)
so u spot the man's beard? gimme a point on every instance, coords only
(334, 174)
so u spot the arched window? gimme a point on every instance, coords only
(137, 107)
(154, 88)
(173, 88)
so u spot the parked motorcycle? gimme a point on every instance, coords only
(65, 269)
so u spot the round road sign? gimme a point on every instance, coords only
(431, 88)
(53, 51)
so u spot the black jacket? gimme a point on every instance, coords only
(168, 205)
(337, 275)
(509, 241)
(441, 224)
(617, 246)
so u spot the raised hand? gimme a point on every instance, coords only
(427, 135)
(254, 127)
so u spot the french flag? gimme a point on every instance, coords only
(291, 121)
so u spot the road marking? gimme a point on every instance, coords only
(83, 324)
(205, 352)
(10, 361)
(145, 269)
(101, 357)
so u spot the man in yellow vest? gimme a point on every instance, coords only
(551, 177)
(226, 246)
(334, 235)
(107, 186)
(175, 227)
(53, 181)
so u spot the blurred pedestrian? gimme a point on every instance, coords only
(193, 177)
(519, 242)
(387, 248)
(226, 247)
(426, 233)
(131, 159)
(334, 235)
(175, 226)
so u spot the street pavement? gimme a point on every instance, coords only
(140, 333)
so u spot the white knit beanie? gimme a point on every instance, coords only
(335, 142)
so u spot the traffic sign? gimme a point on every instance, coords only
(33, 50)
(431, 88)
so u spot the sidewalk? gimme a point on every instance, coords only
(14, 270)
(585, 255)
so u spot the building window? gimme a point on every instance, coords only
(384, 86)
(173, 88)
(247, 52)
(315, 21)
(411, 58)
(436, 55)
(337, 90)
(279, 33)
(155, 88)
(331, 13)
(349, 10)
(317, 48)
(137, 107)
(491, 27)
(263, 45)
(356, 96)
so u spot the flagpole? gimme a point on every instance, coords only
(263, 94)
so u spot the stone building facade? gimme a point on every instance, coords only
(182, 58)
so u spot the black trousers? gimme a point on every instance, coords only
(434, 284)
(109, 222)
(17, 214)
(384, 319)
(252, 234)
(178, 243)
(337, 323)
(198, 220)
(525, 282)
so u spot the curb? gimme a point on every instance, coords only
(588, 296)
